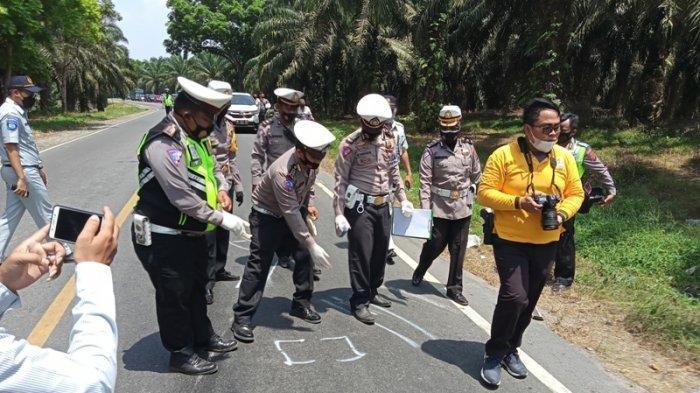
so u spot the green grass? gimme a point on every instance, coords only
(639, 252)
(54, 120)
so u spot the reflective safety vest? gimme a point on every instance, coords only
(168, 100)
(579, 153)
(153, 202)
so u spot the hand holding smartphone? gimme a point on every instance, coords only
(68, 222)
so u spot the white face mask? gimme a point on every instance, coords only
(540, 145)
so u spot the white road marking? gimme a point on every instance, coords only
(288, 360)
(415, 326)
(96, 132)
(426, 300)
(535, 368)
(358, 354)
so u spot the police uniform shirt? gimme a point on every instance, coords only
(284, 189)
(15, 129)
(444, 168)
(366, 164)
(223, 143)
(401, 144)
(271, 142)
(166, 157)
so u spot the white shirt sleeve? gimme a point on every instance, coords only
(90, 365)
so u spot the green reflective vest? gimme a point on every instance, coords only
(200, 161)
(579, 153)
(168, 100)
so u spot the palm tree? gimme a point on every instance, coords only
(178, 65)
(208, 66)
(154, 75)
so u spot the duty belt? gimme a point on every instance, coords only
(171, 231)
(265, 211)
(452, 194)
(376, 200)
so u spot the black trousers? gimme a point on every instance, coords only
(446, 233)
(368, 244)
(177, 267)
(168, 109)
(565, 261)
(522, 268)
(217, 250)
(269, 234)
(217, 245)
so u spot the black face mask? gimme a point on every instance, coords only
(307, 163)
(372, 133)
(28, 102)
(288, 117)
(450, 137)
(564, 137)
(200, 132)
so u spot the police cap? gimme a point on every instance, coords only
(374, 110)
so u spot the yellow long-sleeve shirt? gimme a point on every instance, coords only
(506, 176)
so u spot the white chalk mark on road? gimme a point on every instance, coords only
(414, 325)
(324, 188)
(358, 354)
(426, 300)
(287, 359)
(399, 335)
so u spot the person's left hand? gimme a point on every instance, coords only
(560, 219)
(31, 260)
(408, 181)
(224, 200)
(42, 173)
(313, 212)
(608, 199)
(239, 197)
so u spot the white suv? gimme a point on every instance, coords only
(245, 111)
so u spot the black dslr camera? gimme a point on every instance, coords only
(549, 211)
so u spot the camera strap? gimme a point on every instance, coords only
(522, 143)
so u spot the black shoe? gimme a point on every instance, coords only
(317, 274)
(209, 296)
(218, 344)
(377, 301)
(390, 257)
(561, 285)
(191, 364)
(458, 298)
(362, 314)
(283, 262)
(226, 276)
(305, 313)
(243, 332)
(416, 280)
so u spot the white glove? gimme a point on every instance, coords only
(312, 227)
(319, 256)
(236, 225)
(407, 208)
(341, 225)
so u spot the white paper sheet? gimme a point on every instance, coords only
(418, 225)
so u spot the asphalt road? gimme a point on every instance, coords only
(423, 343)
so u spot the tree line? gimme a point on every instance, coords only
(633, 59)
(158, 73)
(72, 48)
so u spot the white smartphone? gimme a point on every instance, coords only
(68, 222)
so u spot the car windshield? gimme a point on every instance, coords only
(242, 99)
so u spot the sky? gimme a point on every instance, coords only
(143, 24)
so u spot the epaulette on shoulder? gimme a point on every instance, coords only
(433, 143)
(352, 138)
(467, 139)
(583, 144)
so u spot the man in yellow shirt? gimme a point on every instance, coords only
(516, 181)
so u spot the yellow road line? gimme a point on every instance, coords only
(46, 325)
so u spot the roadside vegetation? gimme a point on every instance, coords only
(639, 253)
(55, 120)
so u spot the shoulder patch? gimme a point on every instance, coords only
(345, 150)
(175, 155)
(288, 184)
(12, 124)
(170, 130)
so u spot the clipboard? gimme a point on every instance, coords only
(419, 225)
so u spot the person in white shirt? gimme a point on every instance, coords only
(304, 112)
(90, 364)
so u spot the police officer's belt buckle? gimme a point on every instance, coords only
(378, 200)
(454, 194)
(225, 168)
